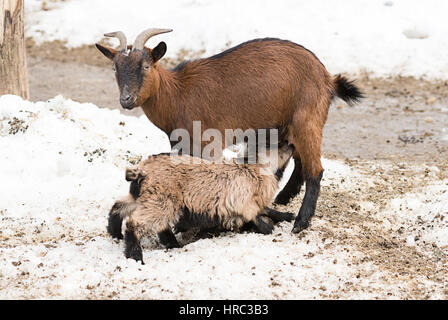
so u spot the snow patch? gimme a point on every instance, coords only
(64, 169)
(423, 213)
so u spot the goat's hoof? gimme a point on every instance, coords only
(289, 216)
(300, 226)
(118, 236)
(173, 245)
(137, 259)
(264, 224)
(265, 229)
(141, 261)
(136, 256)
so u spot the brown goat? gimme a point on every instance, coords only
(169, 189)
(263, 83)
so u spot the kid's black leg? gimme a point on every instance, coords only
(279, 216)
(263, 224)
(293, 186)
(167, 238)
(133, 248)
(115, 221)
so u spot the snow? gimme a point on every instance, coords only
(49, 170)
(383, 38)
(425, 208)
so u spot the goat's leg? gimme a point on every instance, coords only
(307, 141)
(263, 224)
(133, 248)
(295, 182)
(308, 207)
(167, 238)
(279, 216)
(115, 221)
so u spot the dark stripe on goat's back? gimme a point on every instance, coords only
(181, 65)
(242, 45)
(220, 55)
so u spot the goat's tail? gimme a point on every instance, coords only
(346, 90)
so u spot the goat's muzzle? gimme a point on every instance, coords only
(128, 101)
(127, 98)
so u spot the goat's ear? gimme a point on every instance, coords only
(108, 52)
(159, 51)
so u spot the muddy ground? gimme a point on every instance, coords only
(398, 135)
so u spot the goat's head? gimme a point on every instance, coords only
(135, 66)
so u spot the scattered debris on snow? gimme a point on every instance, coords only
(63, 167)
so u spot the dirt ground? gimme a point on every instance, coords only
(397, 134)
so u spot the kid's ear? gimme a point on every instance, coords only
(159, 51)
(108, 52)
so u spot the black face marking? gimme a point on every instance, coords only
(130, 71)
(139, 73)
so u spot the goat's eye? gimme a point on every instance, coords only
(146, 68)
(113, 68)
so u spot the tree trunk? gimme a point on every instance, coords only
(13, 73)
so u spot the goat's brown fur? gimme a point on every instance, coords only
(267, 83)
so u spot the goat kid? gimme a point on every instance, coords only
(175, 191)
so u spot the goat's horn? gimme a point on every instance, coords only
(145, 35)
(120, 36)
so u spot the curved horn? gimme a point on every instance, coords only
(145, 35)
(120, 36)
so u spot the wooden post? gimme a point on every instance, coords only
(13, 72)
